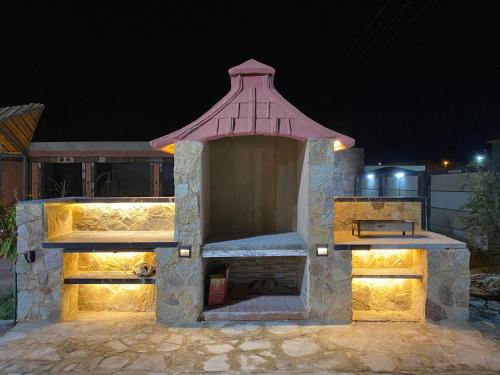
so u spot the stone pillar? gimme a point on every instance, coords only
(180, 280)
(329, 174)
(38, 283)
(448, 281)
(347, 165)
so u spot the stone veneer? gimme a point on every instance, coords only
(448, 281)
(347, 212)
(180, 280)
(38, 283)
(329, 174)
(65, 217)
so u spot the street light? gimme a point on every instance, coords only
(445, 163)
(479, 158)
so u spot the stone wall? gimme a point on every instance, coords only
(329, 174)
(448, 282)
(64, 218)
(180, 280)
(38, 283)
(119, 216)
(347, 212)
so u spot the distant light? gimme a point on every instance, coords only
(399, 175)
(370, 176)
(379, 163)
(479, 158)
(445, 163)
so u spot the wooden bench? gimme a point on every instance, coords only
(384, 226)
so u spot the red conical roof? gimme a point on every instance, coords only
(252, 107)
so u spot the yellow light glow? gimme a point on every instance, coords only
(383, 258)
(169, 149)
(122, 205)
(379, 252)
(337, 145)
(114, 262)
(122, 297)
(380, 281)
(185, 253)
(114, 256)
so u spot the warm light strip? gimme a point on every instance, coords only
(123, 205)
(113, 256)
(380, 252)
(116, 288)
(381, 281)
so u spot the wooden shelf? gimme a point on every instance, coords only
(111, 240)
(112, 277)
(134, 250)
(390, 273)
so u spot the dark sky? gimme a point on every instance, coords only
(423, 82)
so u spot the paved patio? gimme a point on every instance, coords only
(137, 347)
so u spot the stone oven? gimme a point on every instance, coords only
(263, 193)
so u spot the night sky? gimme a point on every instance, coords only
(421, 83)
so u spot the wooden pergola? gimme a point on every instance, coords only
(17, 126)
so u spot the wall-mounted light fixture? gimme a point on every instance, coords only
(370, 176)
(30, 257)
(322, 250)
(185, 251)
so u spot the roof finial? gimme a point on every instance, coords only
(251, 67)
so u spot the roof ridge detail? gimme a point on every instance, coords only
(251, 107)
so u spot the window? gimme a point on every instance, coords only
(61, 180)
(122, 180)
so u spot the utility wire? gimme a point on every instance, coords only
(399, 32)
(358, 39)
(383, 31)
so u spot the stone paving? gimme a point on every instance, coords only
(139, 347)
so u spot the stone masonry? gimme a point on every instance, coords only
(180, 281)
(448, 281)
(38, 283)
(330, 174)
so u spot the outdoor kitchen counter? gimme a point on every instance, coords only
(344, 240)
(112, 239)
(276, 244)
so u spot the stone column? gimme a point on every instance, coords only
(38, 283)
(180, 280)
(448, 281)
(330, 174)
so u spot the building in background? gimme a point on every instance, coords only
(392, 181)
(41, 170)
(98, 169)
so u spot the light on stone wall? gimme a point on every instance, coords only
(185, 251)
(322, 250)
(383, 258)
(169, 149)
(337, 145)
